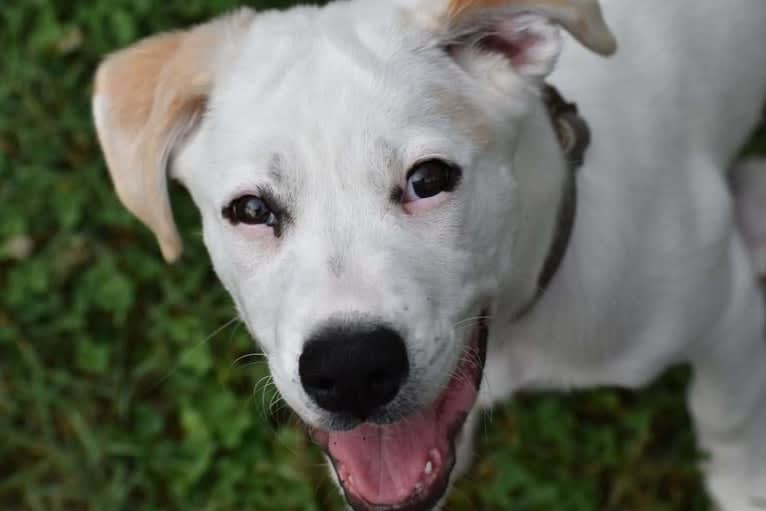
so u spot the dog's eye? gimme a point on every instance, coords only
(430, 178)
(250, 210)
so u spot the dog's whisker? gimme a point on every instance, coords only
(249, 355)
(195, 347)
(254, 363)
(262, 381)
(276, 399)
(264, 393)
(473, 319)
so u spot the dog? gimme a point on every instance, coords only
(393, 195)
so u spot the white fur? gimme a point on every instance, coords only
(749, 184)
(346, 98)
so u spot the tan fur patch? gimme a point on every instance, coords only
(131, 75)
(147, 99)
(465, 114)
(457, 7)
(582, 18)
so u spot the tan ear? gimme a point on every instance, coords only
(582, 18)
(148, 98)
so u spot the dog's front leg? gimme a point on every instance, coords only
(728, 396)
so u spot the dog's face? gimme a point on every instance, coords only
(368, 197)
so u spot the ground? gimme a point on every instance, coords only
(126, 384)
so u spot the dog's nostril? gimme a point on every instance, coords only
(354, 369)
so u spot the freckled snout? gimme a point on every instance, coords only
(354, 369)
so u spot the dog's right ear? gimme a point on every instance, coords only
(524, 33)
(148, 98)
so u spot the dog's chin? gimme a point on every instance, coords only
(406, 465)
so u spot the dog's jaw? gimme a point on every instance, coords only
(407, 466)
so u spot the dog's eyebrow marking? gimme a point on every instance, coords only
(335, 262)
(276, 168)
(391, 164)
(465, 114)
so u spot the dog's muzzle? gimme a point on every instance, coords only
(401, 466)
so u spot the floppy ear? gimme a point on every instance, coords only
(525, 32)
(148, 98)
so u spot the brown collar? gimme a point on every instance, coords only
(571, 129)
(574, 138)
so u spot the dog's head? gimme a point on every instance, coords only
(375, 179)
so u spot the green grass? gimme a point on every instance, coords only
(122, 382)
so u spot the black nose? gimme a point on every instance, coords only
(354, 369)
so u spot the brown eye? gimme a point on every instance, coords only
(430, 178)
(250, 210)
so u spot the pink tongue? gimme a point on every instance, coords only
(387, 462)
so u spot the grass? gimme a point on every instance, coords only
(125, 384)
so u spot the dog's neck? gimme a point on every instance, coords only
(573, 136)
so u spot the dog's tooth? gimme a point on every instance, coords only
(435, 457)
(429, 468)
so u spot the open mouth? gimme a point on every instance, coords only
(406, 466)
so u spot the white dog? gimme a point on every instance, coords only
(384, 195)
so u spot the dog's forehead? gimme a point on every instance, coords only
(332, 77)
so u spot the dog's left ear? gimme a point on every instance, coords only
(148, 99)
(524, 32)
